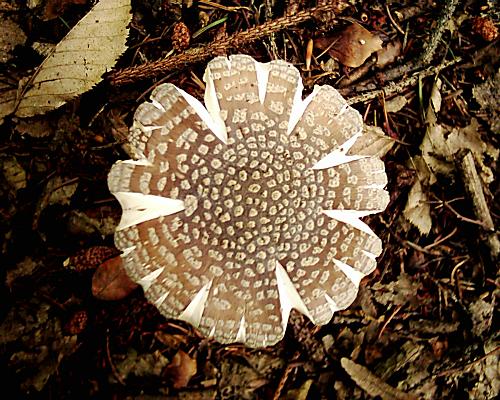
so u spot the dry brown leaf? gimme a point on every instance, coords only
(373, 142)
(7, 100)
(442, 142)
(396, 104)
(488, 97)
(111, 282)
(78, 62)
(352, 46)
(389, 53)
(301, 393)
(487, 385)
(55, 8)
(11, 35)
(13, 173)
(34, 127)
(417, 209)
(181, 369)
(371, 383)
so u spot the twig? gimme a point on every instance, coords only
(288, 370)
(156, 68)
(393, 21)
(111, 364)
(467, 366)
(431, 46)
(393, 88)
(472, 183)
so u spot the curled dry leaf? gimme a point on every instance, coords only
(371, 383)
(78, 62)
(181, 369)
(352, 46)
(111, 282)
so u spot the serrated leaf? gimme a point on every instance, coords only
(79, 60)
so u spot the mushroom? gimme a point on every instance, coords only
(236, 213)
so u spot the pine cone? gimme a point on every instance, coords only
(180, 36)
(77, 323)
(90, 258)
(485, 28)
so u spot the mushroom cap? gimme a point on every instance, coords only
(240, 210)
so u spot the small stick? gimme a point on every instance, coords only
(473, 186)
(398, 87)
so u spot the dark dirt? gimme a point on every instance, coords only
(423, 324)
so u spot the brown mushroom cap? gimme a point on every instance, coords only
(234, 214)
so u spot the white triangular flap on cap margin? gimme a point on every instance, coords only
(194, 311)
(213, 119)
(353, 275)
(262, 72)
(241, 336)
(299, 105)
(212, 103)
(147, 281)
(139, 207)
(352, 217)
(289, 297)
(339, 156)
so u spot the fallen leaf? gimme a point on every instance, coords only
(7, 100)
(34, 127)
(57, 191)
(40, 343)
(78, 62)
(13, 173)
(181, 369)
(396, 104)
(417, 209)
(441, 143)
(371, 383)
(300, 393)
(55, 8)
(487, 384)
(111, 282)
(352, 46)
(373, 142)
(488, 97)
(11, 35)
(23, 268)
(389, 53)
(140, 365)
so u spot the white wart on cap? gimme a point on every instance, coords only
(236, 213)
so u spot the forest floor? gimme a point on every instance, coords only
(423, 324)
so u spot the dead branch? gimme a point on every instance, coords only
(156, 68)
